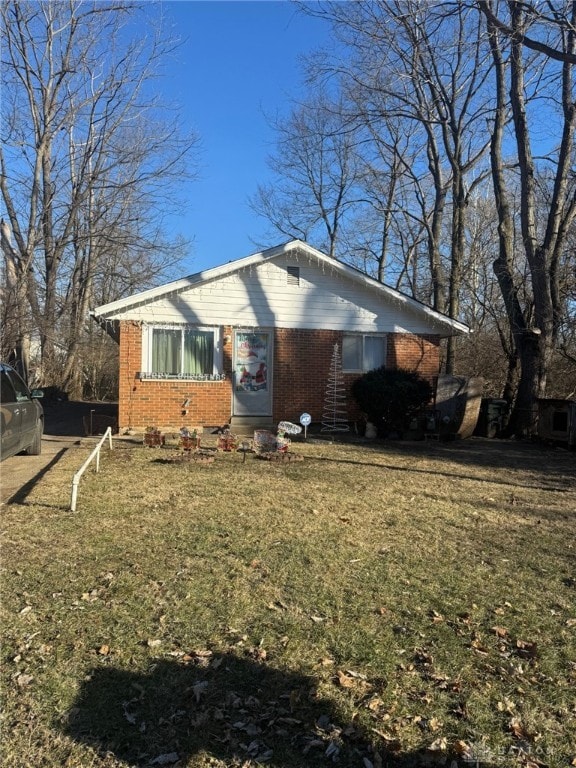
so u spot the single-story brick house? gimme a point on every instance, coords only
(252, 341)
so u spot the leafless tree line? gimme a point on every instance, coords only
(436, 151)
(88, 158)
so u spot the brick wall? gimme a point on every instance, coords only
(300, 374)
(301, 367)
(161, 403)
(414, 353)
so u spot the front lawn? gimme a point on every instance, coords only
(372, 605)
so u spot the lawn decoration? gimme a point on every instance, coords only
(264, 441)
(246, 446)
(227, 441)
(287, 428)
(335, 416)
(153, 438)
(271, 447)
(189, 441)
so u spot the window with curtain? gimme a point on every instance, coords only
(182, 351)
(363, 352)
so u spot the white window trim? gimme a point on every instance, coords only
(364, 336)
(147, 330)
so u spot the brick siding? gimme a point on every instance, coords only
(300, 374)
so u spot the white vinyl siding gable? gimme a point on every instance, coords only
(261, 296)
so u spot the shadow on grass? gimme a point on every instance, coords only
(547, 475)
(483, 453)
(237, 710)
(21, 495)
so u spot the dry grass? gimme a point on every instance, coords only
(389, 604)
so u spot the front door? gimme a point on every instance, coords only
(252, 361)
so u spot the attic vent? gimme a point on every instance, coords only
(293, 275)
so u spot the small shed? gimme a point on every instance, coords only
(557, 420)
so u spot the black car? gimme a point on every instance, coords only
(22, 416)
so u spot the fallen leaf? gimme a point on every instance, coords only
(527, 649)
(392, 743)
(104, 650)
(517, 728)
(344, 680)
(25, 610)
(500, 631)
(357, 675)
(434, 724)
(463, 749)
(278, 605)
(24, 680)
(128, 715)
(439, 745)
(479, 647)
(333, 750)
(153, 643)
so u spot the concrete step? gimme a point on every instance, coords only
(245, 425)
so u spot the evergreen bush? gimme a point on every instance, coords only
(391, 398)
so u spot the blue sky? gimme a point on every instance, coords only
(241, 61)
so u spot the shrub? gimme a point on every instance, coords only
(390, 398)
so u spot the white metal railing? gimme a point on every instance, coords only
(95, 453)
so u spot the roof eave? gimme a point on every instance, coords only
(450, 327)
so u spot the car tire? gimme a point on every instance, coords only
(35, 448)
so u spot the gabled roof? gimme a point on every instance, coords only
(296, 247)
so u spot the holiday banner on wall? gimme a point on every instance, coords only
(251, 362)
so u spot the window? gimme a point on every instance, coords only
(21, 390)
(182, 352)
(7, 394)
(363, 353)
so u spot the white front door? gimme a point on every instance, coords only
(252, 360)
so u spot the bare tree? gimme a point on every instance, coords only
(409, 64)
(87, 159)
(316, 173)
(535, 327)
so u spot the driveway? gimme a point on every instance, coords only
(64, 428)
